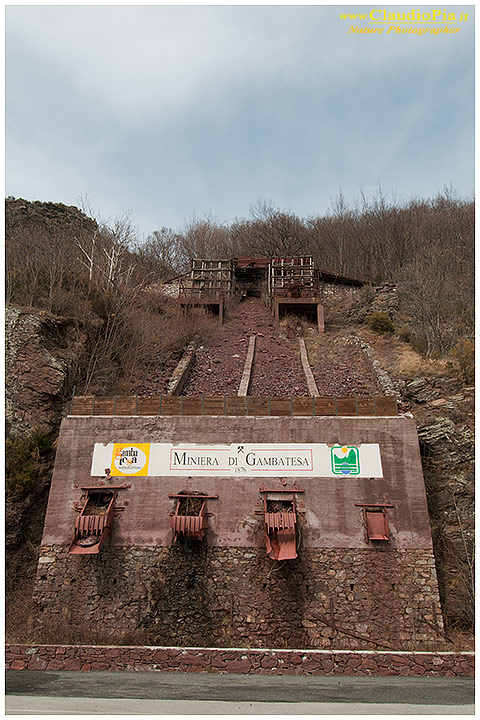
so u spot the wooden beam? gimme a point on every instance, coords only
(247, 370)
(311, 384)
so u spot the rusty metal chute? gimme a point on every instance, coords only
(376, 521)
(280, 535)
(190, 518)
(94, 524)
(376, 524)
(280, 522)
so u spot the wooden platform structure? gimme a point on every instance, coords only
(208, 285)
(165, 405)
(289, 283)
(293, 284)
(293, 277)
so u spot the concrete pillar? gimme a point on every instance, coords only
(320, 318)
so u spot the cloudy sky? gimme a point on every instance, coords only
(175, 111)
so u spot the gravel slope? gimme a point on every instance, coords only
(219, 363)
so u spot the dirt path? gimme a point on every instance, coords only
(219, 363)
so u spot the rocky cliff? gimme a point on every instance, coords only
(42, 354)
(41, 359)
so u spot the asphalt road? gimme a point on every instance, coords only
(42, 692)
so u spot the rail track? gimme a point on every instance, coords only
(249, 368)
(248, 356)
(274, 366)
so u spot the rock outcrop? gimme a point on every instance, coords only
(22, 214)
(41, 357)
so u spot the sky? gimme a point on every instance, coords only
(170, 112)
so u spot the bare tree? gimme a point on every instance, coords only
(158, 254)
(88, 255)
(202, 239)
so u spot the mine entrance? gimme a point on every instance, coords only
(249, 281)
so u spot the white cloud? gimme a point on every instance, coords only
(138, 61)
(171, 109)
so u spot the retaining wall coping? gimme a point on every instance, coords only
(154, 658)
(274, 651)
(256, 417)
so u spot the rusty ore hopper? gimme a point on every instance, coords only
(94, 524)
(190, 518)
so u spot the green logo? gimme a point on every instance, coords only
(345, 460)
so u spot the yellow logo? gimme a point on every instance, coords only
(130, 459)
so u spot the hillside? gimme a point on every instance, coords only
(84, 310)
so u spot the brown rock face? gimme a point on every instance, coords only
(23, 214)
(42, 353)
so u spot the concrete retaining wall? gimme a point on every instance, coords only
(333, 520)
(224, 660)
(341, 592)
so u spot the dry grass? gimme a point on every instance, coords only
(62, 631)
(21, 626)
(19, 614)
(156, 339)
(411, 364)
(399, 358)
(460, 641)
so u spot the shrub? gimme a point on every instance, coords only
(407, 334)
(367, 294)
(464, 354)
(380, 322)
(23, 456)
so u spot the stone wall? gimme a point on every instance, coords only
(222, 660)
(195, 594)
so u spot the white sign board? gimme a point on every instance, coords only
(255, 459)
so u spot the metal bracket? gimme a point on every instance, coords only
(188, 495)
(106, 487)
(294, 489)
(378, 505)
